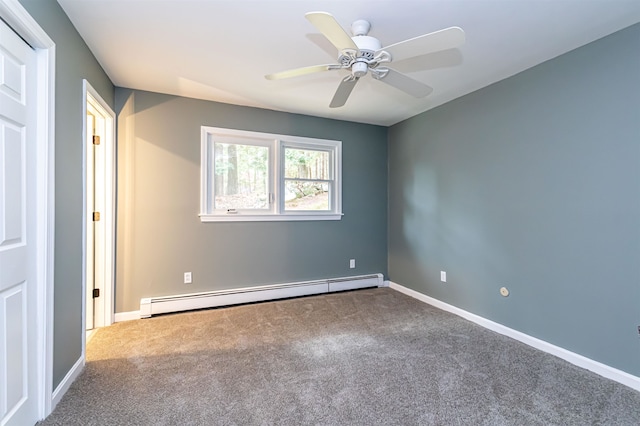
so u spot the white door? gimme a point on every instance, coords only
(99, 226)
(18, 270)
(95, 292)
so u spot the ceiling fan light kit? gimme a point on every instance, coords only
(362, 54)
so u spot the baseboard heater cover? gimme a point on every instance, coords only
(185, 302)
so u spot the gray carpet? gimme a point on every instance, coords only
(367, 357)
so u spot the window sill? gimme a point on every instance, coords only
(269, 218)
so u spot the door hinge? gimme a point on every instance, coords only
(96, 140)
(96, 292)
(96, 216)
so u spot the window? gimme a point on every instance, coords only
(249, 176)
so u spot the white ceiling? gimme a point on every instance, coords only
(220, 50)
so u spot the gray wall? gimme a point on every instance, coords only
(160, 235)
(74, 62)
(532, 183)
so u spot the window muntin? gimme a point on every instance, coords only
(250, 176)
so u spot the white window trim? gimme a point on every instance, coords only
(277, 143)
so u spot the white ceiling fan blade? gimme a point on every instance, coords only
(299, 71)
(448, 38)
(343, 92)
(329, 27)
(405, 83)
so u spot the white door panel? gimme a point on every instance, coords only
(18, 275)
(12, 180)
(12, 305)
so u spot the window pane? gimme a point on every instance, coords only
(306, 164)
(241, 176)
(306, 195)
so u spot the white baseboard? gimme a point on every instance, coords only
(64, 385)
(572, 357)
(126, 316)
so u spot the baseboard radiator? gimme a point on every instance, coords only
(186, 302)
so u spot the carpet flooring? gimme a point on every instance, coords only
(367, 357)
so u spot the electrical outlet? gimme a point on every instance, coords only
(443, 276)
(352, 263)
(187, 277)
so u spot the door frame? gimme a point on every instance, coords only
(16, 16)
(90, 95)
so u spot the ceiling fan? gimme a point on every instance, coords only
(362, 54)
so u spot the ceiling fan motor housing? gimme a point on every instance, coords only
(367, 46)
(367, 43)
